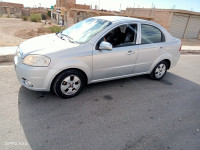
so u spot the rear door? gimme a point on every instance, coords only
(152, 45)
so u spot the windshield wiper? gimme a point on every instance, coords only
(69, 38)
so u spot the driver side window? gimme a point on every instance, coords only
(124, 35)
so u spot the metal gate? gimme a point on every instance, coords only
(193, 28)
(178, 25)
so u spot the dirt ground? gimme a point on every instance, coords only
(14, 31)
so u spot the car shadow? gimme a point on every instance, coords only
(90, 120)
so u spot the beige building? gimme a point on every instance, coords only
(180, 23)
(61, 10)
(11, 9)
(68, 12)
(18, 10)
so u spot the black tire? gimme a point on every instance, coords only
(154, 74)
(68, 74)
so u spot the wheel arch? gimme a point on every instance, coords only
(166, 57)
(77, 69)
(168, 63)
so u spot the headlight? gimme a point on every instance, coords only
(37, 60)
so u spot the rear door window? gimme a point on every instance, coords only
(151, 34)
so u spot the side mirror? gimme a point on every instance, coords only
(105, 46)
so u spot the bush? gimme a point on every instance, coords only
(25, 18)
(36, 17)
(55, 29)
(44, 17)
(49, 13)
(44, 30)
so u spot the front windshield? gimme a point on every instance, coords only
(85, 30)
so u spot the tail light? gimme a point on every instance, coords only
(180, 47)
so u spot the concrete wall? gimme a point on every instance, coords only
(14, 5)
(163, 18)
(64, 3)
(3, 10)
(15, 12)
(160, 16)
(76, 15)
(70, 4)
(78, 6)
(26, 12)
(139, 12)
(12, 9)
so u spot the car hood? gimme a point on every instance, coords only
(45, 44)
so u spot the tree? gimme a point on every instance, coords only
(49, 13)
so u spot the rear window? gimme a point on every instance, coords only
(151, 34)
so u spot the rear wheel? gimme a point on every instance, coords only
(69, 84)
(159, 70)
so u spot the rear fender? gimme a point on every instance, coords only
(159, 59)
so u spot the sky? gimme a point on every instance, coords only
(192, 5)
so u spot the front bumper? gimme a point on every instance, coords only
(38, 78)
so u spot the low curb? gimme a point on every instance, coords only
(10, 58)
(7, 54)
(6, 58)
(190, 51)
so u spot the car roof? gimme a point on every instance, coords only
(119, 19)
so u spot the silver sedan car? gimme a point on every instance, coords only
(94, 50)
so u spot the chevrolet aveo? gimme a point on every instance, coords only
(94, 50)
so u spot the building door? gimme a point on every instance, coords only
(178, 25)
(193, 28)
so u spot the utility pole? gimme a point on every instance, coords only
(99, 4)
(120, 7)
(152, 5)
(91, 4)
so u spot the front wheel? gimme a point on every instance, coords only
(69, 84)
(159, 70)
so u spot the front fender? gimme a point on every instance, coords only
(69, 64)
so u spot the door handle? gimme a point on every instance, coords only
(130, 52)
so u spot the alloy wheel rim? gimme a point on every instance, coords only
(160, 70)
(70, 85)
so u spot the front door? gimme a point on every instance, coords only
(119, 61)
